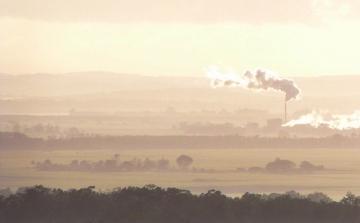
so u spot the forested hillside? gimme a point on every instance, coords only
(152, 204)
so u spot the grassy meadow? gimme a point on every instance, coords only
(342, 172)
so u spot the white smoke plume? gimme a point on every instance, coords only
(261, 80)
(324, 118)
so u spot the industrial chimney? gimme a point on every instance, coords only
(285, 114)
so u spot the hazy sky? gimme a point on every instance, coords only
(180, 37)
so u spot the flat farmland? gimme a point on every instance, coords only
(342, 170)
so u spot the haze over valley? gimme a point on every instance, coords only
(179, 111)
(113, 103)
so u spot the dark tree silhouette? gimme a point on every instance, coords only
(152, 204)
(184, 161)
(280, 166)
(309, 167)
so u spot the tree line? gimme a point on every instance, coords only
(20, 141)
(152, 204)
(114, 165)
(279, 166)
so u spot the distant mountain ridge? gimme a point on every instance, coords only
(43, 84)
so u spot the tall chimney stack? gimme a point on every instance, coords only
(285, 114)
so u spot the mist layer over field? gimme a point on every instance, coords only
(211, 169)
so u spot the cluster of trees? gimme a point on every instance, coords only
(113, 165)
(279, 166)
(315, 197)
(50, 130)
(19, 141)
(38, 129)
(152, 204)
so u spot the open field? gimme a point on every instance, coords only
(342, 172)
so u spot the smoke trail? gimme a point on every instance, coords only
(324, 118)
(261, 80)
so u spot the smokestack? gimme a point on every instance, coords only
(285, 114)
